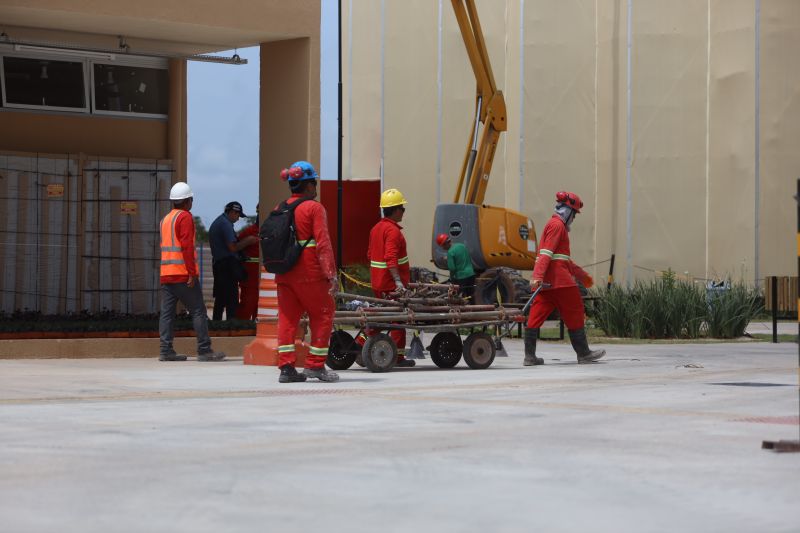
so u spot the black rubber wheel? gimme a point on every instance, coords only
(446, 349)
(479, 350)
(379, 353)
(342, 351)
(501, 285)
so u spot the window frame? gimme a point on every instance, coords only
(87, 66)
(85, 110)
(156, 63)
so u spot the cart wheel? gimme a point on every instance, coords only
(479, 350)
(446, 349)
(379, 353)
(342, 351)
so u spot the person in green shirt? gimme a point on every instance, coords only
(459, 263)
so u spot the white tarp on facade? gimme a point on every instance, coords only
(681, 165)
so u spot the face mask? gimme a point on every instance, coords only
(566, 214)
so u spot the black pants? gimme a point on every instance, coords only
(466, 287)
(226, 288)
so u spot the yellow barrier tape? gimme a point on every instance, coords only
(354, 280)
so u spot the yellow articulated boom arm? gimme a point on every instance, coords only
(490, 109)
(497, 239)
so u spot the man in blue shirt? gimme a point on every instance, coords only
(228, 269)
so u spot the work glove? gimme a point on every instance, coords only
(399, 290)
(535, 284)
(588, 282)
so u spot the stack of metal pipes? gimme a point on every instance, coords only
(424, 303)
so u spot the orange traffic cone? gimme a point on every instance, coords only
(264, 348)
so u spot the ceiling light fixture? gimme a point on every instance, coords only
(63, 52)
(233, 60)
(111, 55)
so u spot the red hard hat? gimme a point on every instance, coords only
(570, 199)
(441, 239)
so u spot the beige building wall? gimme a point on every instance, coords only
(705, 198)
(288, 33)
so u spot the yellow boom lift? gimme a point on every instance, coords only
(499, 240)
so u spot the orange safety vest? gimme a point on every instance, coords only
(172, 263)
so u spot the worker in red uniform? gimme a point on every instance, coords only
(310, 285)
(248, 288)
(556, 273)
(389, 270)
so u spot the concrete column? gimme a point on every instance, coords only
(177, 121)
(289, 112)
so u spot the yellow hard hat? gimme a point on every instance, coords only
(392, 197)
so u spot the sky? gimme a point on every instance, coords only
(223, 125)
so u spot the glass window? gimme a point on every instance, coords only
(44, 82)
(126, 89)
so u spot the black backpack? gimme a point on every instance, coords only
(279, 247)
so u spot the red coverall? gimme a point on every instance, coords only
(248, 289)
(554, 267)
(304, 289)
(387, 248)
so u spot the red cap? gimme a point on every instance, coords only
(441, 239)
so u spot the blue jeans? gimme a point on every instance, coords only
(192, 298)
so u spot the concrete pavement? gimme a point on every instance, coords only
(657, 438)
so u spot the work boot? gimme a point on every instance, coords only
(321, 374)
(210, 356)
(581, 347)
(289, 374)
(171, 357)
(405, 363)
(531, 334)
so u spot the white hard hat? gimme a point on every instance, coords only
(180, 191)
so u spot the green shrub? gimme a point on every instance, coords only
(729, 311)
(666, 307)
(105, 320)
(612, 310)
(360, 273)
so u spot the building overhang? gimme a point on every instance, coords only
(178, 29)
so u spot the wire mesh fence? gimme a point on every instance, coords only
(80, 233)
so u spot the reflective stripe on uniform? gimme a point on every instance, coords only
(251, 260)
(314, 350)
(284, 348)
(381, 264)
(310, 243)
(551, 255)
